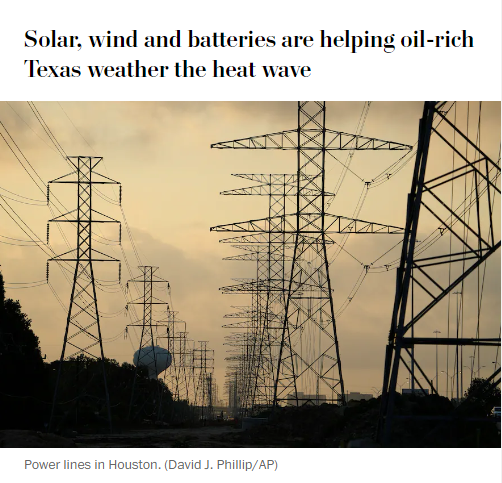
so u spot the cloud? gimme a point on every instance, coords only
(171, 180)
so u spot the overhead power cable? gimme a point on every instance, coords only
(23, 197)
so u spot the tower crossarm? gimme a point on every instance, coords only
(66, 179)
(267, 190)
(148, 303)
(271, 286)
(311, 223)
(261, 238)
(149, 281)
(244, 324)
(334, 141)
(67, 257)
(259, 190)
(256, 248)
(259, 256)
(274, 179)
(64, 218)
(261, 225)
(278, 185)
(238, 315)
(247, 287)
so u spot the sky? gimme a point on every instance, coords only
(171, 180)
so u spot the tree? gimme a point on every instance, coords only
(16, 333)
(483, 395)
(27, 383)
(2, 292)
(22, 365)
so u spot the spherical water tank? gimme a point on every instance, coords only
(156, 360)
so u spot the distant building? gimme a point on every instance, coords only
(315, 399)
(418, 392)
(358, 396)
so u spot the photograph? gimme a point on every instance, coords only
(245, 274)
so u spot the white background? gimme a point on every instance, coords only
(337, 74)
(294, 465)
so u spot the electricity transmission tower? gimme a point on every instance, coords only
(235, 377)
(264, 321)
(233, 397)
(259, 348)
(173, 339)
(186, 361)
(82, 336)
(147, 353)
(455, 188)
(309, 362)
(176, 375)
(203, 364)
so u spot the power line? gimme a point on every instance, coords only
(118, 203)
(47, 130)
(21, 196)
(36, 134)
(68, 117)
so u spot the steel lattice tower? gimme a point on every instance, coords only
(240, 371)
(185, 362)
(265, 320)
(423, 281)
(147, 343)
(203, 364)
(83, 329)
(309, 358)
(175, 375)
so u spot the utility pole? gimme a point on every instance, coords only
(82, 337)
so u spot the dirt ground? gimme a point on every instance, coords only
(18, 438)
(306, 427)
(201, 437)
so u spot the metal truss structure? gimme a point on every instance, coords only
(264, 321)
(141, 400)
(231, 385)
(202, 377)
(466, 236)
(239, 374)
(308, 362)
(82, 336)
(176, 376)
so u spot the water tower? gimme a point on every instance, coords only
(156, 359)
